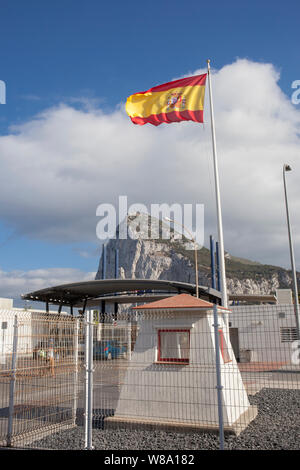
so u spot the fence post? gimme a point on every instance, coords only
(89, 381)
(86, 355)
(76, 370)
(129, 326)
(90, 394)
(12, 383)
(218, 376)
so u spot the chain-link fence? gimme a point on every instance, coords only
(233, 375)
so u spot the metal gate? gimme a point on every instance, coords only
(39, 368)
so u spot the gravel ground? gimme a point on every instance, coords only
(276, 427)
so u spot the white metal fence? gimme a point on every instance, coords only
(38, 375)
(175, 371)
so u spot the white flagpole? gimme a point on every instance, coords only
(218, 199)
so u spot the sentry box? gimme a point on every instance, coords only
(171, 379)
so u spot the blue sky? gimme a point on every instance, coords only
(94, 54)
(55, 50)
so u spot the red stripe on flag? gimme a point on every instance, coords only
(196, 80)
(168, 118)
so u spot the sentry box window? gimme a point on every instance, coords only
(173, 346)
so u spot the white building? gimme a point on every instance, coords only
(33, 325)
(263, 333)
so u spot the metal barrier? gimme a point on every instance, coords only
(178, 374)
(164, 371)
(201, 373)
(39, 366)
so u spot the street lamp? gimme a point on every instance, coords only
(195, 249)
(285, 169)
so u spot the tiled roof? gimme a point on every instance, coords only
(178, 301)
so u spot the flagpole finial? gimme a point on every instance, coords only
(208, 64)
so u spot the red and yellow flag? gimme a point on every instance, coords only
(180, 100)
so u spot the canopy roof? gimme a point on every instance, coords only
(79, 293)
(253, 298)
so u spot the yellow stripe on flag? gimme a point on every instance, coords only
(147, 104)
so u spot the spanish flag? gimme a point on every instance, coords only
(180, 100)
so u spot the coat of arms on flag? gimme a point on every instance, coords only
(176, 102)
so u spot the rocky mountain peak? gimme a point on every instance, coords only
(150, 249)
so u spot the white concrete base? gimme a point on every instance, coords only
(236, 428)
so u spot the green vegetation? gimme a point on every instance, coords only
(238, 268)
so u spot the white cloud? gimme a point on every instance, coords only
(15, 283)
(57, 168)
